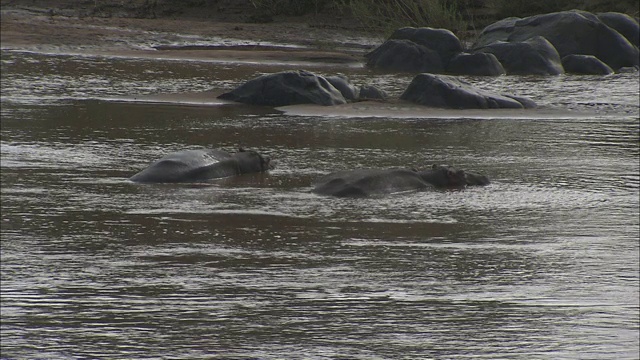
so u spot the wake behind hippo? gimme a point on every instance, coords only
(371, 182)
(202, 165)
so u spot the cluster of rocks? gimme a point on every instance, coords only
(303, 87)
(548, 44)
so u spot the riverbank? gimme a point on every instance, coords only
(234, 30)
(221, 36)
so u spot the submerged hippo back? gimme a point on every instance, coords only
(178, 166)
(474, 179)
(366, 182)
(201, 165)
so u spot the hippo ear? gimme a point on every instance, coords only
(434, 166)
(241, 149)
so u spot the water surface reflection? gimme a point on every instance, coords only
(542, 263)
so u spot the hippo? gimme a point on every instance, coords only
(368, 182)
(202, 165)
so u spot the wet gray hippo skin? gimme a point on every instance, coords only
(202, 165)
(367, 182)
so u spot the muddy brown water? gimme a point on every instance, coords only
(543, 263)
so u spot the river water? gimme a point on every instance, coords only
(543, 263)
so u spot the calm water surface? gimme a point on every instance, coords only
(543, 263)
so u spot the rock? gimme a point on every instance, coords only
(343, 85)
(286, 88)
(585, 64)
(404, 56)
(526, 102)
(416, 50)
(535, 56)
(475, 64)
(570, 32)
(370, 92)
(498, 31)
(442, 41)
(448, 92)
(624, 24)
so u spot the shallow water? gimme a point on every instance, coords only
(543, 263)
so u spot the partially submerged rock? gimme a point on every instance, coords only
(444, 42)
(534, 56)
(403, 55)
(412, 49)
(444, 91)
(286, 88)
(585, 64)
(479, 64)
(343, 85)
(301, 87)
(370, 92)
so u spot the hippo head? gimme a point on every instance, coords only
(250, 161)
(444, 176)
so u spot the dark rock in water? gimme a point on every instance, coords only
(286, 88)
(483, 64)
(448, 92)
(442, 41)
(535, 56)
(498, 31)
(570, 32)
(624, 24)
(370, 92)
(585, 64)
(404, 56)
(526, 102)
(345, 87)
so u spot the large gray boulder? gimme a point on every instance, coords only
(482, 64)
(442, 41)
(570, 32)
(498, 31)
(286, 88)
(585, 64)
(404, 56)
(449, 92)
(624, 24)
(412, 49)
(343, 85)
(534, 56)
(370, 92)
